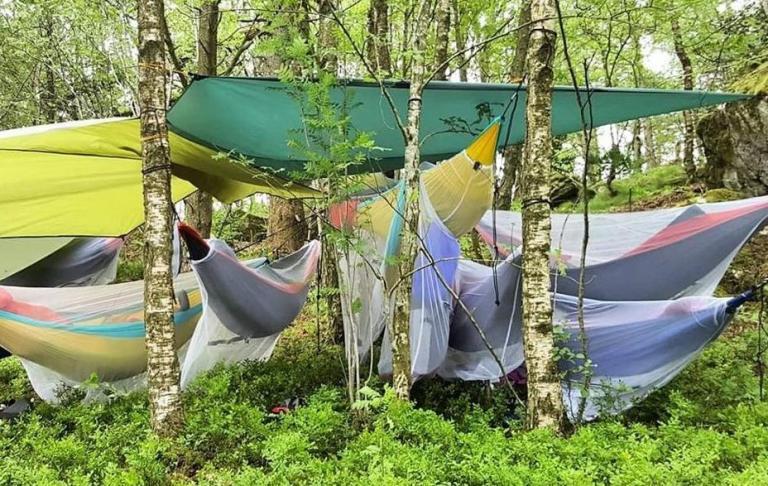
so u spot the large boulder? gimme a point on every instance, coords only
(735, 140)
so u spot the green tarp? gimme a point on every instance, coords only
(257, 118)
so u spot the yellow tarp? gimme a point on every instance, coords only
(84, 179)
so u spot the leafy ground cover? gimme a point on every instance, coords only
(708, 426)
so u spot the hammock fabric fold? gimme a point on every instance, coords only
(635, 346)
(651, 255)
(81, 262)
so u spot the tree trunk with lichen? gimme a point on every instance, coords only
(545, 405)
(377, 50)
(409, 246)
(199, 206)
(329, 273)
(162, 362)
(443, 17)
(287, 226)
(689, 123)
(513, 155)
(401, 328)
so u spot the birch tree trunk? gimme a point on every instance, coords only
(200, 204)
(513, 156)
(545, 405)
(688, 117)
(649, 144)
(162, 365)
(400, 328)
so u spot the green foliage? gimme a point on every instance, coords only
(13, 381)
(722, 194)
(241, 223)
(660, 182)
(707, 426)
(129, 270)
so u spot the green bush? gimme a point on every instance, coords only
(707, 426)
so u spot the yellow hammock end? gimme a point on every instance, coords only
(483, 148)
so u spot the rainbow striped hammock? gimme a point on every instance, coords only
(225, 311)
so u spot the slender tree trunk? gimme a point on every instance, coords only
(545, 405)
(287, 226)
(459, 39)
(688, 116)
(326, 42)
(513, 155)
(443, 25)
(649, 144)
(329, 273)
(162, 365)
(637, 141)
(401, 326)
(400, 329)
(378, 37)
(200, 204)
(49, 93)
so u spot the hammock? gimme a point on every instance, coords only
(244, 308)
(635, 346)
(454, 195)
(640, 338)
(81, 262)
(649, 255)
(66, 335)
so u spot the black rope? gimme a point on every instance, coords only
(538, 200)
(155, 168)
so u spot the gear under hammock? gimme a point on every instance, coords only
(66, 335)
(648, 255)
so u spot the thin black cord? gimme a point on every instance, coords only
(495, 245)
(512, 102)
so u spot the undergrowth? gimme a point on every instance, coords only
(707, 426)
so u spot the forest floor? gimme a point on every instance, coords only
(708, 426)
